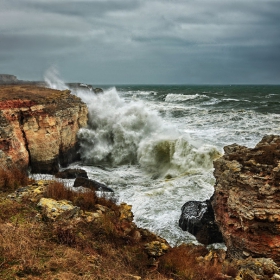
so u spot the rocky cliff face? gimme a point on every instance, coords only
(247, 199)
(38, 127)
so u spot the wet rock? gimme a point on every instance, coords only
(71, 174)
(198, 219)
(246, 199)
(91, 184)
(98, 90)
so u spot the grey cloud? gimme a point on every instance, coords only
(144, 41)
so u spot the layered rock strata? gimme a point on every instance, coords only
(247, 199)
(38, 127)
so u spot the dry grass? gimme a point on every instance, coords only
(186, 262)
(86, 199)
(69, 249)
(12, 178)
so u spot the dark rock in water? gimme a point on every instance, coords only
(91, 184)
(98, 90)
(198, 219)
(71, 174)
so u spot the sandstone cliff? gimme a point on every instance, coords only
(247, 199)
(38, 127)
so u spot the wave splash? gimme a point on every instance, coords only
(52, 79)
(121, 132)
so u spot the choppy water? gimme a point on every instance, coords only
(154, 145)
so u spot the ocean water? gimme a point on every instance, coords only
(155, 145)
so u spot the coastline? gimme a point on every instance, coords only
(44, 113)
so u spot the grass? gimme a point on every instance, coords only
(12, 178)
(33, 248)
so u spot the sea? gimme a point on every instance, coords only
(154, 145)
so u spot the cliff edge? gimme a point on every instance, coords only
(38, 127)
(246, 199)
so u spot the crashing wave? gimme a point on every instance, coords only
(122, 132)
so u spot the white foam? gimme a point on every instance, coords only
(53, 80)
(172, 97)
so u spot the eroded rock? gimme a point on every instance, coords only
(38, 127)
(246, 199)
(56, 210)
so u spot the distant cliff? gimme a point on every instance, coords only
(5, 78)
(38, 127)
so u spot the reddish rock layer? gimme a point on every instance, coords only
(38, 127)
(247, 199)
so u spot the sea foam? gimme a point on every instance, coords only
(121, 132)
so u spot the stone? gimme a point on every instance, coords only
(246, 199)
(91, 184)
(198, 219)
(71, 174)
(258, 268)
(33, 192)
(156, 248)
(38, 127)
(57, 210)
(98, 90)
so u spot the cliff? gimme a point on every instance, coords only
(246, 199)
(5, 78)
(38, 127)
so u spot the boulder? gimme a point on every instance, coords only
(57, 210)
(198, 219)
(156, 248)
(71, 174)
(91, 184)
(246, 199)
(98, 90)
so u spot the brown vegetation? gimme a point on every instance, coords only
(34, 248)
(12, 178)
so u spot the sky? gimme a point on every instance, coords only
(142, 41)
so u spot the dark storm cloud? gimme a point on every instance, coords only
(160, 41)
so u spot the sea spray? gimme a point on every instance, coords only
(121, 132)
(52, 79)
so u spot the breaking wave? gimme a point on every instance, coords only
(121, 132)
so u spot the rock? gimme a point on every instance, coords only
(91, 184)
(38, 127)
(246, 199)
(156, 248)
(71, 174)
(33, 192)
(198, 219)
(98, 90)
(259, 268)
(57, 210)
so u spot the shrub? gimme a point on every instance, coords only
(12, 178)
